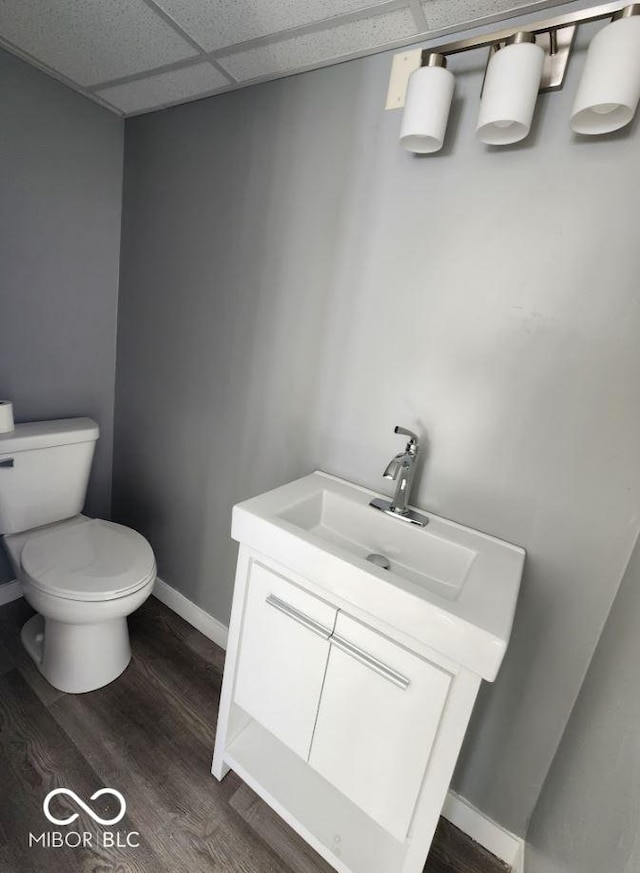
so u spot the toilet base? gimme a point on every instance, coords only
(77, 658)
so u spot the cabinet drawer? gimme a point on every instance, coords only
(283, 657)
(377, 721)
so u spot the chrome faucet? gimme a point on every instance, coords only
(402, 468)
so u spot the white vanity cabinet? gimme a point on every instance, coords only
(347, 687)
(360, 709)
(283, 657)
(378, 716)
(321, 708)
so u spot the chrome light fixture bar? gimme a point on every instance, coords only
(546, 26)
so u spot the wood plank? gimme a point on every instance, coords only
(36, 756)
(149, 741)
(7, 661)
(159, 623)
(284, 841)
(455, 852)
(163, 649)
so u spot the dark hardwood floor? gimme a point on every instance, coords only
(149, 735)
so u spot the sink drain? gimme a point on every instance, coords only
(379, 561)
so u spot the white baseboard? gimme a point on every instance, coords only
(10, 591)
(518, 864)
(194, 615)
(500, 842)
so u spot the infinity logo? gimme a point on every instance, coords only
(83, 805)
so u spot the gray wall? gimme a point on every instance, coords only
(587, 818)
(293, 285)
(61, 195)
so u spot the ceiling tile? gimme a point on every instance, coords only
(324, 45)
(169, 87)
(216, 24)
(90, 41)
(445, 13)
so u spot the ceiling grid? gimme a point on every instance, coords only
(136, 56)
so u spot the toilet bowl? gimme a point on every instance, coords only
(83, 577)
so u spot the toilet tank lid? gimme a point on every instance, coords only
(43, 434)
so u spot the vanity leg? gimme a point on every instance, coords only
(226, 731)
(439, 773)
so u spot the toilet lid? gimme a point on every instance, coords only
(92, 560)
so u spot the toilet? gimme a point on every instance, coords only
(83, 576)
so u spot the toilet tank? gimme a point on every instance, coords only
(44, 471)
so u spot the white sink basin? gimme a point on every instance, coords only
(416, 554)
(448, 586)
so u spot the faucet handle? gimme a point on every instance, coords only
(413, 438)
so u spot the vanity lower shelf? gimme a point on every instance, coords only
(336, 828)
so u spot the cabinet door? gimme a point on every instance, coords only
(283, 654)
(378, 718)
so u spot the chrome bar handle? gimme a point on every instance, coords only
(7, 462)
(369, 661)
(290, 611)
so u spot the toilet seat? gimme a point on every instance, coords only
(90, 560)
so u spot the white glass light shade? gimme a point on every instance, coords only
(609, 90)
(426, 109)
(511, 88)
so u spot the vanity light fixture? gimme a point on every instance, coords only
(427, 105)
(609, 90)
(521, 64)
(510, 91)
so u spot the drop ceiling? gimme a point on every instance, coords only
(136, 56)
